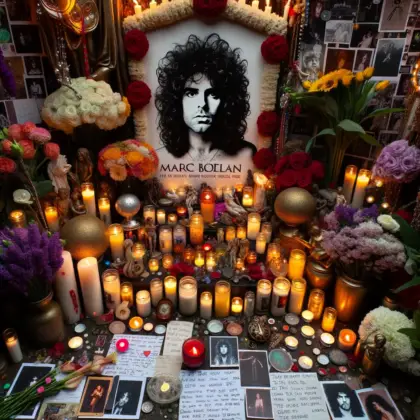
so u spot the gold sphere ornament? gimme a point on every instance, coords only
(295, 206)
(85, 236)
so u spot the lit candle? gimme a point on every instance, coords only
(267, 7)
(237, 306)
(261, 243)
(346, 339)
(207, 204)
(239, 188)
(180, 238)
(88, 195)
(165, 239)
(122, 345)
(297, 296)
(248, 196)
(307, 316)
(254, 224)
(196, 229)
(255, 4)
(270, 191)
(141, 233)
(291, 342)
(143, 303)
(167, 261)
(182, 212)
(281, 289)
(91, 286)
(286, 11)
(181, 192)
(206, 302)
(307, 331)
(193, 353)
(230, 233)
(112, 288)
(137, 8)
(17, 218)
(12, 343)
(172, 219)
(149, 212)
(267, 229)
(75, 343)
(161, 216)
(327, 339)
(127, 293)
(170, 288)
(305, 362)
(239, 264)
(329, 319)
(362, 182)
(222, 299)
(105, 210)
(156, 291)
(297, 261)
(227, 191)
(135, 324)
(316, 302)
(241, 232)
(138, 250)
(210, 261)
(153, 4)
(207, 247)
(154, 265)
(199, 260)
(187, 295)
(259, 190)
(51, 214)
(349, 180)
(370, 199)
(188, 255)
(219, 193)
(273, 252)
(263, 296)
(379, 183)
(385, 205)
(116, 241)
(251, 257)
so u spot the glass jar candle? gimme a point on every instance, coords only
(297, 296)
(138, 251)
(141, 233)
(165, 239)
(167, 261)
(248, 196)
(207, 204)
(17, 218)
(267, 229)
(179, 238)
(278, 267)
(104, 206)
(241, 232)
(270, 191)
(206, 302)
(219, 193)
(262, 304)
(281, 290)
(189, 255)
(13, 346)
(127, 293)
(249, 304)
(193, 353)
(329, 319)
(161, 216)
(149, 212)
(237, 306)
(156, 291)
(230, 233)
(143, 303)
(187, 296)
(261, 243)
(222, 299)
(239, 264)
(116, 241)
(210, 260)
(51, 215)
(273, 252)
(196, 229)
(251, 258)
(170, 289)
(362, 181)
(254, 224)
(112, 288)
(199, 259)
(259, 190)
(182, 212)
(153, 265)
(316, 302)
(239, 188)
(181, 192)
(172, 219)
(88, 196)
(297, 261)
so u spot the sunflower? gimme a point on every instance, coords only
(118, 172)
(306, 84)
(368, 72)
(359, 76)
(346, 80)
(382, 85)
(112, 153)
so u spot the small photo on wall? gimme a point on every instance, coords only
(364, 35)
(33, 65)
(369, 11)
(412, 59)
(415, 42)
(363, 59)
(379, 404)
(394, 15)
(35, 87)
(338, 31)
(311, 59)
(224, 352)
(414, 8)
(58, 411)
(254, 369)
(339, 59)
(5, 35)
(411, 21)
(258, 404)
(404, 85)
(388, 57)
(343, 9)
(27, 39)
(19, 10)
(4, 120)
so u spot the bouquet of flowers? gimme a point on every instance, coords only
(128, 158)
(362, 241)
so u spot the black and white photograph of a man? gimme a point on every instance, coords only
(128, 399)
(253, 365)
(224, 351)
(203, 101)
(342, 401)
(388, 57)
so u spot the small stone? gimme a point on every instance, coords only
(338, 357)
(6, 386)
(316, 351)
(308, 342)
(170, 410)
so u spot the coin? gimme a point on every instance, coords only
(234, 329)
(147, 407)
(160, 329)
(323, 360)
(292, 319)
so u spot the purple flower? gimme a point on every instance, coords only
(391, 164)
(396, 148)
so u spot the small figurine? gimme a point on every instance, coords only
(83, 165)
(249, 178)
(191, 199)
(340, 200)
(76, 204)
(151, 235)
(233, 208)
(132, 268)
(220, 235)
(57, 172)
(374, 353)
(63, 204)
(244, 246)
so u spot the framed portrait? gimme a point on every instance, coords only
(224, 352)
(95, 396)
(379, 404)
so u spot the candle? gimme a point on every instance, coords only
(327, 339)
(112, 288)
(154, 265)
(187, 295)
(297, 296)
(239, 264)
(385, 205)
(222, 299)
(66, 290)
(251, 257)
(196, 228)
(188, 255)
(267, 229)
(199, 260)
(51, 214)
(307, 316)
(206, 302)
(281, 289)
(237, 305)
(143, 303)
(241, 232)
(248, 196)
(141, 233)
(122, 345)
(263, 296)
(286, 11)
(297, 261)
(370, 199)
(88, 195)
(105, 210)
(227, 192)
(181, 192)
(255, 4)
(329, 319)
(305, 362)
(259, 190)
(165, 239)
(172, 219)
(219, 193)
(12, 343)
(230, 233)
(137, 8)
(193, 353)
(167, 261)
(116, 241)
(307, 331)
(138, 251)
(249, 304)
(316, 302)
(379, 183)
(161, 216)
(267, 7)
(273, 252)
(180, 238)
(362, 182)
(75, 343)
(17, 218)
(207, 247)
(349, 180)
(207, 204)
(153, 4)
(182, 212)
(149, 212)
(148, 326)
(210, 261)
(261, 243)
(91, 286)
(254, 223)
(170, 288)
(346, 339)
(291, 342)
(127, 293)
(135, 324)
(156, 291)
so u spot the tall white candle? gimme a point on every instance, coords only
(297, 296)
(170, 288)
(362, 182)
(137, 8)
(51, 214)
(281, 289)
(187, 295)
(149, 212)
(262, 303)
(91, 286)
(156, 291)
(112, 288)
(12, 343)
(267, 7)
(161, 216)
(267, 229)
(206, 302)
(66, 290)
(88, 195)
(116, 241)
(297, 261)
(261, 243)
(255, 4)
(143, 304)
(349, 180)
(254, 223)
(165, 239)
(105, 210)
(286, 10)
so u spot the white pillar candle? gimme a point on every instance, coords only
(12, 343)
(137, 8)
(161, 216)
(88, 195)
(254, 223)
(206, 302)
(149, 212)
(267, 7)
(297, 296)
(281, 289)
(187, 296)
(143, 304)
(261, 243)
(170, 288)
(66, 290)
(297, 261)
(156, 291)
(105, 210)
(51, 214)
(362, 182)
(349, 180)
(262, 303)
(286, 10)
(260, 180)
(267, 229)
(116, 241)
(165, 239)
(91, 286)
(112, 288)
(255, 4)
(153, 4)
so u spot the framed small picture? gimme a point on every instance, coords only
(33, 65)
(254, 370)
(35, 87)
(378, 403)
(258, 404)
(95, 396)
(27, 39)
(405, 69)
(58, 411)
(128, 399)
(224, 352)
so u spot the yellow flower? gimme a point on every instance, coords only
(382, 85)
(346, 80)
(118, 173)
(368, 72)
(133, 158)
(127, 106)
(359, 76)
(112, 153)
(306, 84)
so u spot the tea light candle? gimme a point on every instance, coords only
(135, 324)
(362, 182)
(138, 251)
(199, 260)
(170, 288)
(307, 331)
(327, 339)
(116, 241)
(248, 196)
(346, 339)
(370, 199)
(187, 295)
(161, 216)
(316, 303)
(153, 265)
(329, 319)
(143, 303)
(239, 265)
(156, 291)
(305, 362)
(127, 293)
(385, 205)
(91, 286)
(207, 204)
(261, 243)
(291, 342)
(349, 180)
(105, 210)
(88, 196)
(122, 345)
(172, 219)
(51, 214)
(12, 343)
(193, 353)
(297, 296)
(17, 218)
(75, 343)
(196, 229)
(251, 258)
(379, 183)
(241, 232)
(207, 247)
(148, 326)
(165, 239)
(307, 316)
(254, 224)
(112, 288)
(262, 304)
(222, 299)
(182, 212)
(281, 289)
(210, 261)
(237, 306)
(167, 261)
(297, 261)
(206, 302)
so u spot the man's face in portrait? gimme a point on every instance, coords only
(343, 401)
(200, 103)
(223, 349)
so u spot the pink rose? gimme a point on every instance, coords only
(40, 390)
(52, 150)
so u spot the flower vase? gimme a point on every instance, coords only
(392, 192)
(45, 322)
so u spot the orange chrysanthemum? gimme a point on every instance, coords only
(112, 153)
(134, 158)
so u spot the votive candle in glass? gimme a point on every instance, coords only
(270, 191)
(206, 302)
(307, 316)
(149, 212)
(196, 229)
(241, 232)
(187, 296)
(193, 353)
(153, 265)
(88, 196)
(259, 190)
(267, 229)
(210, 260)
(165, 239)
(346, 339)
(112, 288)
(230, 233)
(329, 319)
(207, 247)
(251, 258)
(273, 252)
(261, 243)
(51, 214)
(180, 238)
(138, 251)
(237, 306)
(199, 259)
(362, 182)
(141, 233)
(181, 192)
(135, 324)
(156, 291)
(182, 212)
(327, 339)
(167, 261)
(239, 188)
(161, 216)
(222, 299)
(254, 224)
(249, 304)
(188, 255)
(172, 219)
(104, 206)
(116, 241)
(349, 180)
(316, 302)
(13, 346)
(127, 294)
(263, 296)
(207, 204)
(239, 264)
(297, 261)
(297, 296)
(248, 196)
(143, 303)
(170, 288)
(17, 218)
(281, 290)
(91, 286)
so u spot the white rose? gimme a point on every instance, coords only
(388, 223)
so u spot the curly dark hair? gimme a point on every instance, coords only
(332, 390)
(371, 410)
(226, 71)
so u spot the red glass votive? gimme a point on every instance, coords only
(207, 247)
(122, 345)
(193, 353)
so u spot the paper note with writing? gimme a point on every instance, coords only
(169, 365)
(176, 333)
(201, 388)
(139, 359)
(297, 396)
(67, 395)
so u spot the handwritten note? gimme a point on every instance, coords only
(67, 395)
(168, 365)
(139, 359)
(176, 333)
(297, 396)
(202, 388)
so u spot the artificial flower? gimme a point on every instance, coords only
(382, 85)
(74, 382)
(368, 72)
(113, 153)
(15, 132)
(388, 223)
(22, 197)
(40, 390)
(138, 94)
(268, 123)
(299, 160)
(136, 44)
(307, 84)
(275, 49)
(48, 380)
(359, 76)
(346, 80)
(264, 158)
(52, 150)
(39, 135)
(209, 8)
(28, 149)
(27, 127)
(134, 158)
(7, 166)
(118, 172)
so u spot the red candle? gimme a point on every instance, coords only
(207, 247)
(122, 345)
(193, 352)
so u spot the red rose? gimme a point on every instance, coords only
(136, 44)
(7, 165)
(28, 149)
(209, 8)
(268, 122)
(299, 160)
(6, 147)
(52, 150)
(275, 49)
(304, 178)
(286, 179)
(281, 163)
(264, 158)
(27, 127)
(317, 169)
(15, 132)
(138, 94)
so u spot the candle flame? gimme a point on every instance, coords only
(135, 2)
(194, 351)
(347, 337)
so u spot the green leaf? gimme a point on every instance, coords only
(349, 125)
(369, 139)
(415, 281)
(415, 344)
(324, 132)
(43, 187)
(411, 333)
(416, 319)
(331, 107)
(382, 111)
(409, 236)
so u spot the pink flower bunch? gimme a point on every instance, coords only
(398, 162)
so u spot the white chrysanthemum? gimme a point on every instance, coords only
(116, 98)
(121, 107)
(84, 107)
(22, 197)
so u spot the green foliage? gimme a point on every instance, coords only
(413, 333)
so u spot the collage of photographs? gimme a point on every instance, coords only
(356, 34)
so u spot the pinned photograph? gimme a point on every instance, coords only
(128, 399)
(388, 57)
(404, 85)
(339, 59)
(338, 31)
(315, 30)
(412, 59)
(311, 60)
(343, 9)
(415, 42)
(33, 65)
(394, 15)
(35, 87)
(258, 404)
(254, 369)
(364, 35)
(411, 21)
(369, 11)
(26, 39)
(363, 60)
(396, 119)
(95, 396)
(224, 351)
(57, 411)
(378, 404)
